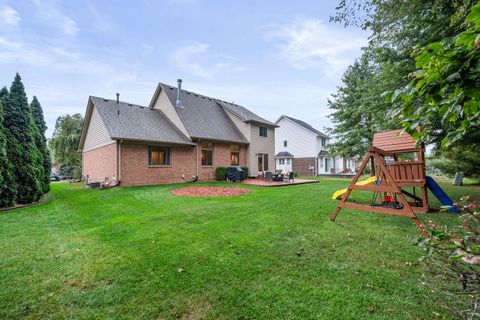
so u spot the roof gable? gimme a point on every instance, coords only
(243, 113)
(203, 117)
(304, 125)
(394, 141)
(284, 154)
(133, 122)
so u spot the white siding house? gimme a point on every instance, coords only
(302, 149)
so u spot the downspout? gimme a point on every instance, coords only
(196, 162)
(119, 162)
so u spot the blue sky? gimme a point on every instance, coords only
(274, 57)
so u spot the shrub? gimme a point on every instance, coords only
(70, 172)
(452, 261)
(220, 173)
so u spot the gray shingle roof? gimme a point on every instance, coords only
(203, 117)
(133, 122)
(308, 127)
(284, 154)
(245, 114)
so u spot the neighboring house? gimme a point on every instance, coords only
(55, 168)
(302, 149)
(181, 136)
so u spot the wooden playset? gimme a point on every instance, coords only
(396, 163)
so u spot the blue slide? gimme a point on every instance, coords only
(440, 194)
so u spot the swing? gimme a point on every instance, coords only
(390, 201)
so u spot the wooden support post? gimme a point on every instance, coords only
(406, 206)
(354, 181)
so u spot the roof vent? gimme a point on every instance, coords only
(118, 97)
(178, 102)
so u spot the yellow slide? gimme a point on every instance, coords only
(339, 193)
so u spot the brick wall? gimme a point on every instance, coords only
(221, 158)
(135, 169)
(100, 163)
(302, 165)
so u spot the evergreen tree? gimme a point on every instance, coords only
(41, 143)
(21, 148)
(7, 183)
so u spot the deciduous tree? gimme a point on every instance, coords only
(357, 113)
(397, 27)
(64, 143)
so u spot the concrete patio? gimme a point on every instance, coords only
(264, 183)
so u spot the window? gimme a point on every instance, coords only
(234, 155)
(284, 143)
(288, 161)
(263, 131)
(158, 156)
(281, 161)
(324, 142)
(207, 153)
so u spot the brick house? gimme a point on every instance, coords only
(181, 136)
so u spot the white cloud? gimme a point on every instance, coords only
(199, 60)
(9, 16)
(49, 12)
(68, 26)
(147, 49)
(71, 74)
(309, 43)
(61, 59)
(185, 55)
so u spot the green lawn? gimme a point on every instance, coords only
(271, 254)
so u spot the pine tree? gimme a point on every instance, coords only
(8, 188)
(41, 143)
(21, 148)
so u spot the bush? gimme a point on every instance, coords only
(70, 172)
(452, 261)
(220, 173)
(245, 170)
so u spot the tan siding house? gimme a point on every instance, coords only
(262, 149)
(97, 133)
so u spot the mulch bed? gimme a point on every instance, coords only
(209, 191)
